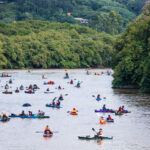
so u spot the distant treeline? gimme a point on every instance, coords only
(40, 44)
(110, 16)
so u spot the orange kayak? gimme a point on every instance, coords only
(73, 113)
(47, 135)
(102, 122)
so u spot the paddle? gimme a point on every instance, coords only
(94, 130)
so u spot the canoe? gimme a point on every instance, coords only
(109, 120)
(73, 113)
(98, 99)
(29, 92)
(7, 92)
(104, 111)
(95, 138)
(4, 120)
(54, 106)
(47, 135)
(48, 92)
(26, 116)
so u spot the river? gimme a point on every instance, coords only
(130, 131)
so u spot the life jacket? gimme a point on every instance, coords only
(74, 111)
(109, 118)
(101, 133)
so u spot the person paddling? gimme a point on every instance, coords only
(100, 133)
(71, 82)
(109, 117)
(47, 130)
(104, 107)
(58, 103)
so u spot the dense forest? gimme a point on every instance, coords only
(110, 16)
(40, 44)
(132, 55)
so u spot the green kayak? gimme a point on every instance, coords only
(95, 138)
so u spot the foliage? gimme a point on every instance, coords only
(132, 56)
(56, 11)
(40, 44)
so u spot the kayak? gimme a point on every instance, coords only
(5, 76)
(109, 120)
(47, 135)
(98, 99)
(54, 106)
(125, 111)
(66, 77)
(77, 86)
(26, 105)
(16, 91)
(102, 122)
(73, 113)
(21, 88)
(7, 92)
(48, 92)
(105, 111)
(30, 92)
(26, 116)
(5, 120)
(95, 138)
(118, 113)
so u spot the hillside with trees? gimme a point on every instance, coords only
(132, 56)
(40, 44)
(110, 16)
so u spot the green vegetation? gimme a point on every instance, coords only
(40, 44)
(132, 57)
(110, 16)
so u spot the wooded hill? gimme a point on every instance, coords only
(40, 44)
(132, 56)
(110, 16)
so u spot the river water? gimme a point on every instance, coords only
(130, 131)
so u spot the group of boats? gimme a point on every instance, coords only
(31, 90)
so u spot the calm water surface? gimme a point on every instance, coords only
(130, 131)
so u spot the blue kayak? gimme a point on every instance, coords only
(5, 120)
(98, 99)
(109, 120)
(30, 92)
(26, 116)
(67, 77)
(54, 106)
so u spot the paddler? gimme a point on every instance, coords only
(98, 96)
(100, 133)
(47, 130)
(74, 110)
(60, 97)
(4, 116)
(22, 113)
(71, 82)
(102, 121)
(104, 107)
(58, 103)
(109, 117)
(59, 87)
(48, 89)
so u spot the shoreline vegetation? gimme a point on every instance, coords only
(40, 44)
